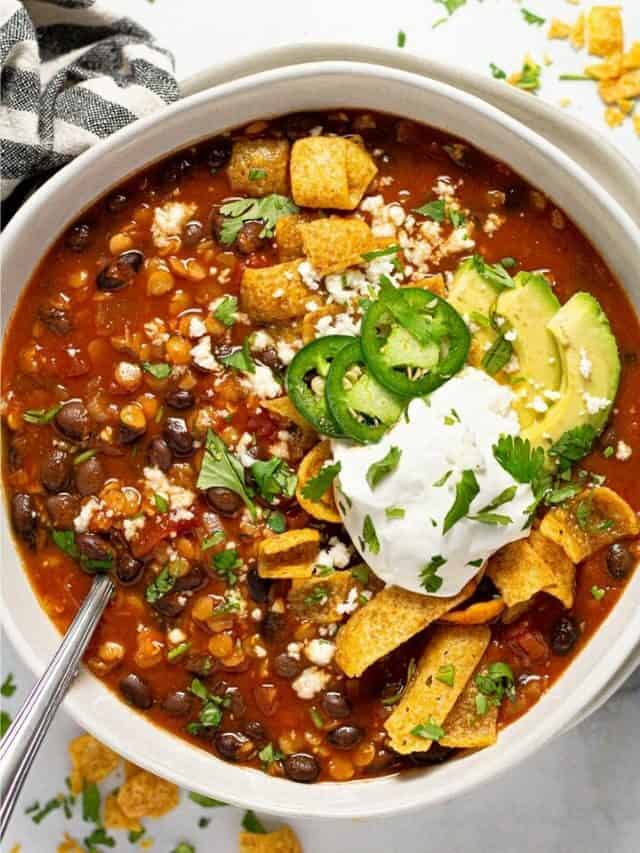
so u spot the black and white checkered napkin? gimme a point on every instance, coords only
(71, 73)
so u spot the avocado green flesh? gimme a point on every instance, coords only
(527, 309)
(368, 397)
(470, 293)
(403, 350)
(580, 329)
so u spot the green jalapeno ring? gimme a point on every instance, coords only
(316, 358)
(446, 324)
(378, 407)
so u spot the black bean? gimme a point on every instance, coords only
(89, 476)
(180, 398)
(128, 434)
(120, 272)
(269, 357)
(218, 154)
(92, 546)
(136, 691)
(57, 320)
(237, 705)
(608, 438)
(18, 451)
(25, 518)
(178, 437)
(201, 665)
(195, 579)
(258, 587)
(620, 560)
(62, 510)
(224, 501)
(116, 202)
(170, 605)
(286, 667)
(55, 469)
(383, 760)
(436, 754)
(335, 704)
(78, 236)
(564, 635)
(178, 703)
(159, 455)
(272, 626)
(175, 170)
(229, 744)
(256, 731)
(192, 233)
(73, 420)
(301, 767)
(216, 222)
(515, 196)
(298, 125)
(249, 239)
(128, 569)
(344, 737)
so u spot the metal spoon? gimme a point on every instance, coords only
(22, 741)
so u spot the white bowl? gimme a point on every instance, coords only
(317, 86)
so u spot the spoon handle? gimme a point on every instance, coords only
(22, 741)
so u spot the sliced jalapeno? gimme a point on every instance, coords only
(361, 407)
(311, 363)
(413, 340)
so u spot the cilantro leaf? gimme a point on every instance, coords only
(518, 458)
(503, 498)
(401, 38)
(163, 583)
(429, 578)
(226, 311)
(5, 722)
(496, 72)
(269, 209)
(8, 687)
(250, 823)
(98, 836)
(496, 682)
(268, 754)
(225, 563)
(446, 674)
(257, 174)
(383, 467)
(41, 416)
(433, 210)
(221, 469)
(497, 356)
(277, 522)
(318, 485)
(159, 370)
(529, 77)
(369, 535)
(429, 730)
(392, 512)
(466, 490)
(90, 802)
(494, 274)
(494, 518)
(572, 446)
(214, 538)
(451, 5)
(240, 359)
(274, 478)
(532, 18)
(205, 802)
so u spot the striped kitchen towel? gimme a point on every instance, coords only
(71, 73)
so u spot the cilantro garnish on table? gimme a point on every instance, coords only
(268, 209)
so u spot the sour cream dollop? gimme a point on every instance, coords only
(452, 431)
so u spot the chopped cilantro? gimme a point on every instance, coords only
(529, 77)
(497, 72)
(90, 802)
(214, 538)
(315, 488)
(532, 18)
(508, 262)
(162, 504)
(497, 356)
(369, 535)
(451, 6)
(316, 718)
(319, 595)
(240, 359)
(383, 467)
(222, 469)
(456, 218)
(495, 683)
(134, 835)
(183, 847)
(429, 577)
(161, 585)
(518, 458)
(446, 674)
(159, 370)
(269, 209)
(205, 802)
(395, 697)
(401, 38)
(381, 253)
(250, 823)
(257, 174)
(574, 77)
(268, 754)
(361, 573)
(443, 479)
(225, 563)
(276, 521)
(476, 563)
(608, 451)
(98, 837)
(598, 592)
(466, 490)
(5, 722)
(82, 457)
(210, 715)
(8, 687)
(226, 311)
(274, 478)
(429, 730)
(435, 210)
(572, 446)
(392, 512)
(177, 651)
(494, 274)
(41, 416)
(494, 518)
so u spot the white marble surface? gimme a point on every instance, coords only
(580, 793)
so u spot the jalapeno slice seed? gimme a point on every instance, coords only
(306, 378)
(363, 409)
(413, 341)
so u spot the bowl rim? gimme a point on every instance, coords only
(384, 795)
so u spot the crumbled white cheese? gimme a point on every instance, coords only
(492, 223)
(538, 405)
(202, 355)
(336, 555)
(585, 364)
(320, 652)
(513, 365)
(156, 331)
(82, 521)
(169, 220)
(595, 404)
(285, 351)
(197, 328)
(444, 187)
(261, 340)
(132, 526)
(293, 650)
(179, 499)
(338, 324)
(310, 682)
(623, 451)
(262, 382)
(511, 336)
(553, 396)
(242, 450)
(176, 636)
(350, 604)
(308, 275)
(128, 374)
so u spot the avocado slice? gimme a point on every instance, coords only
(403, 350)
(470, 294)
(527, 309)
(590, 370)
